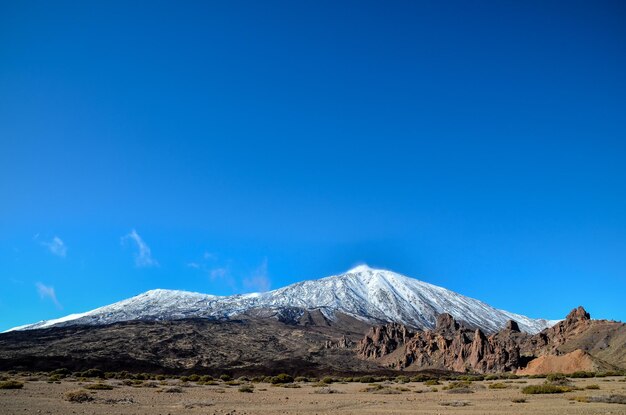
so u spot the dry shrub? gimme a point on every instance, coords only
(99, 386)
(618, 399)
(77, 396)
(326, 390)
(454, 403)
(544, 389)
(11, 384)
(173, 389)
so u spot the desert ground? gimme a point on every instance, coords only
(172, 396)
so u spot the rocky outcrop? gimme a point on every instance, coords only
(382, 340)
(342, 343)
(576, 361)
(452, 346)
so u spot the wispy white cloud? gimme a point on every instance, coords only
(143, 256)
(47, 292)
(209, 256)
(56, 246)
(218, 273)
(259, 279)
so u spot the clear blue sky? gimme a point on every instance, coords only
(225, 147)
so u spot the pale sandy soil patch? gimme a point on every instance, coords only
(40, 397)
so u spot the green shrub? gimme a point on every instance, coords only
(301, 379)
(544, 389)
(281, 378)
(402, 379)
(471, 378)
(421, 378)
(555, 377)
(11, 384)
(173, 389)
(458, 385)
(432, 382)
(63, 372)
(582, 374)
(99, 386)
(366, 379)
(593, 386)
(193, 378)
(246, 389)
(498, 385)
(327, 380)
(492, 377)
(225, 377)
(92, 373)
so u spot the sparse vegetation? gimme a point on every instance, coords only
(11, 384)
(281, 378)
(555, 377)
(326, 390)
(99, 386)
(78, 396)
(454, 403)
(618, 399)
(582, 374)
(173, 389)
(385, 390)
(543, 389)
(421, 378)
(464, 384)
(432, 382)
(498, 385)
(592, 386)
(518, 400)
(246, 389)
(402, 379)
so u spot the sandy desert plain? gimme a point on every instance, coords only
(40, 395)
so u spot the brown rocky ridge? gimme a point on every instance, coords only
(574, 344)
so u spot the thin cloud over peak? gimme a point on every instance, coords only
(47, 292)
(259, 280)
(143, 256)
(56, 246)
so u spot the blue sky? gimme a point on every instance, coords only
(226, 147)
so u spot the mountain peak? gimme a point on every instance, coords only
(360, 269)
(365, 293)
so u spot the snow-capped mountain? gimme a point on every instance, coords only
(371, 295)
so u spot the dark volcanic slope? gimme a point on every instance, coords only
(245, 346)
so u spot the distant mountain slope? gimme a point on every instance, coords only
(370, 295)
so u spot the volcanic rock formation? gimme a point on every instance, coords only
(592, 345)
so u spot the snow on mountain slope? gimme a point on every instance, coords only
(368, 294)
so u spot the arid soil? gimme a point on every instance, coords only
(41, 397)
